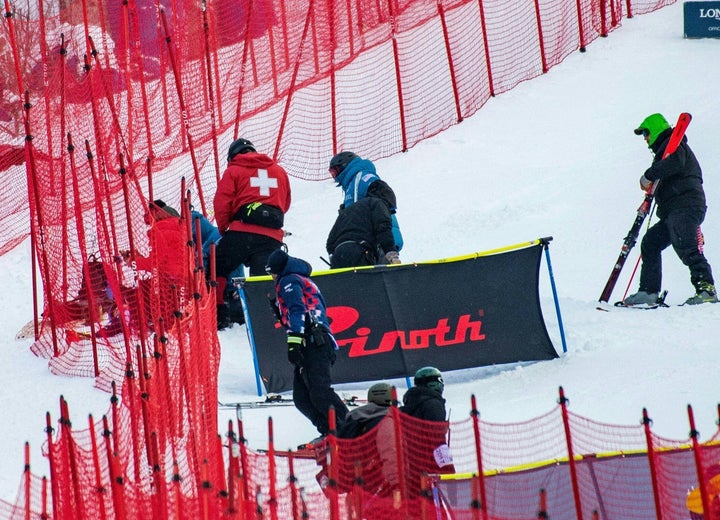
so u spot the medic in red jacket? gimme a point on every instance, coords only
(250, 177)
(250, 205)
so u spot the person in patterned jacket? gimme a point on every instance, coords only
(250, 203)
(311, 345)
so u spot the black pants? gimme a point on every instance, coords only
(249, 249)
(239, 248)
(351, 254)
(681, 229)
(312, 393)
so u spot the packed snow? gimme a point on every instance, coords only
(556, 156)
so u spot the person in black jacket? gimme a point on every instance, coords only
(360, 234)
(425, 401)
(364, 418)
(680, 200)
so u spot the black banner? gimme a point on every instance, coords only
(391, 320)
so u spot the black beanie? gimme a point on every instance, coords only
(167, 209)
(276, 262)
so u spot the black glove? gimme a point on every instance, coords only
(296, 344)
(275, 308)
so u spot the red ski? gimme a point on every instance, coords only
(642, 212)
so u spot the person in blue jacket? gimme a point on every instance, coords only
(311, 345)
(358, 179)
(210, 235)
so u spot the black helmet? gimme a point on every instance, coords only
(240, 146)
(380, 393)
(339, 162)
(430, 377)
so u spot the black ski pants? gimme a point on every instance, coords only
(351, 254)
(239, 248)
(312, 391)
(681, 229)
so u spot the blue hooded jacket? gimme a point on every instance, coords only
(209, 234)
(297, 295)
(355, 179)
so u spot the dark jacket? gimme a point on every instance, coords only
(298, 296)
(359, 180)
(368, 220)
(361, 420)
(423, 403)
(679, 174)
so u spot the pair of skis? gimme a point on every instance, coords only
(272, 400)
(642, 212)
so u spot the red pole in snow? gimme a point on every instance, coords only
(398, 77)
(475, 414)
(451, 65)
(703, 485)
(483, 31)
(92, 303)
(54, 491)
(333, 470)
(571, 455)
(96, 466)
(232, 470)
(581, 30)
(115, 473)
(243, 68)
(293, 81)
(272, 471)
(184, 112)
(28, 477)
(653, 464)
(541, 39)
(211, 91)
(243, 459)
(32, 181)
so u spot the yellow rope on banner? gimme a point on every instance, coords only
(505, 249)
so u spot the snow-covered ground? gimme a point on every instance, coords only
(555, 156)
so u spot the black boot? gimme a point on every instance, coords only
(223, 317)
(235, 311)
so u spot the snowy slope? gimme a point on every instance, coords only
(555, 156)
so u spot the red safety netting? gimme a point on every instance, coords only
(155, 454)
(167, 85)
(109, 105)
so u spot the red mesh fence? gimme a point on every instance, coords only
(156, 455)
(166, 85)
(111, 105)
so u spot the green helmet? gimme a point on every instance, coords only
(653, 125)
(430, 377)
(380, 393)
